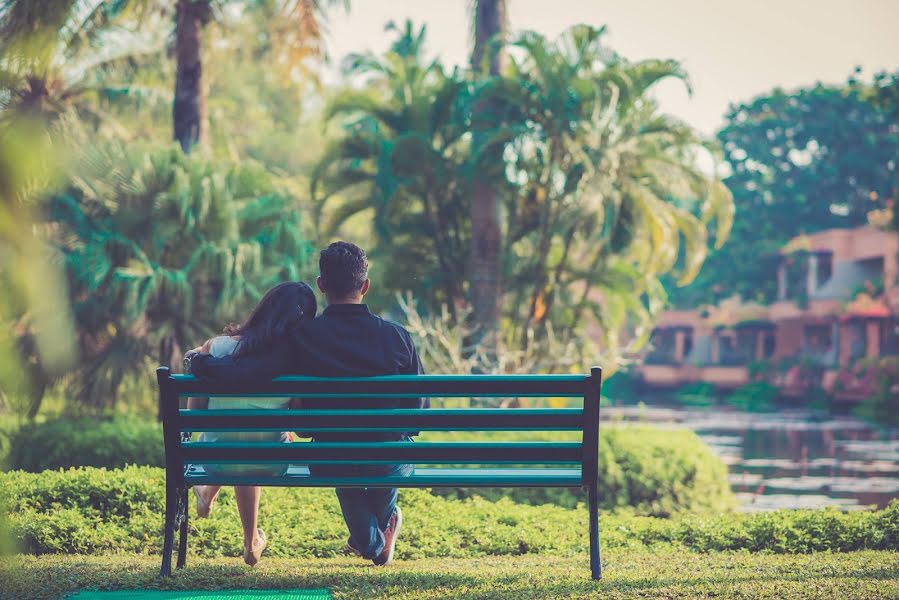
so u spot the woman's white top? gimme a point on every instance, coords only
(222, 346)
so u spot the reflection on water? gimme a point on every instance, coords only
(792, 459)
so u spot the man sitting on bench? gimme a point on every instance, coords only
(347, 340)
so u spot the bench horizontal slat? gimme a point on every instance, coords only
(384, 452)
(435, 419)
(298, 476)
(391, 386)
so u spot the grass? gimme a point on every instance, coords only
(628, 574)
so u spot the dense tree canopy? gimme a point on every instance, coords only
(161, 250)
(802, 161)
(599, 189)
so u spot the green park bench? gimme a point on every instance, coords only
(486, 463)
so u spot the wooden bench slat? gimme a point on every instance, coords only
(391, 386)
(299, 475)
(384, 452)
(435, 419)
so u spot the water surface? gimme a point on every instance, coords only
(792, 458)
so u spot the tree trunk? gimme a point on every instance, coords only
(486, 234)
(189, 107)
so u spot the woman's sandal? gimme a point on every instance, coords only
(251, 557)
(203, 507)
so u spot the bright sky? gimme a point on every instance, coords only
(732, 50)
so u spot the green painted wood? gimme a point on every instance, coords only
(299, 476)
(474, 413)
(383, 452)
(435, 419)
(529, 378)
(434, 386)
(410, 446)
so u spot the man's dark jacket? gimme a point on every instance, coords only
(347, 340)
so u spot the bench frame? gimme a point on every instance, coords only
(177, 454)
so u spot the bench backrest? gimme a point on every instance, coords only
(584, 418)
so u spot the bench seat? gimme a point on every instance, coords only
(298, 476)
(565, 460)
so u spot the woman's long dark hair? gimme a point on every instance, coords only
(279, 311)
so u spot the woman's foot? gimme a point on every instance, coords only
(204, 505)
(252, 554)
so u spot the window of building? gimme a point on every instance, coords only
(769, 344)
(824, 267)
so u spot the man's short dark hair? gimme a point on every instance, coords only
(344, 268)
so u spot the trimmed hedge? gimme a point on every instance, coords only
(95, 511)
(654, 471)
(81, 442)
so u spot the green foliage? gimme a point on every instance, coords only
(757, 396)
(792, 172)
(867, 575)
(161, 250)
(639, 469)
(646, 469)
(94, 511)
(61, 57)
(601, 196)
(93, 442)
(696, 394)
(883, 405)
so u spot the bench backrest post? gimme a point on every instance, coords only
(591, 426)
(171, 434)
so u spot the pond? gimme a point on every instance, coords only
(791, 458)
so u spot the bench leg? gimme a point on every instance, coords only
(182, 536)
(168, 542)
(595, 560)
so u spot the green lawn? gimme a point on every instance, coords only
(673, 574)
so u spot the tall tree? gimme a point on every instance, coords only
(161, 249)
(296, 28)
(60, 56)
(189, 105)
(803, 161)
(602, 194)
(487, 56)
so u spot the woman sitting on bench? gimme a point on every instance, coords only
(280, 310)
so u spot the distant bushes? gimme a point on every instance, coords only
(68, 442)
(95, 511)
(652, 470)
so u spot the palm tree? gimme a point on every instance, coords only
(490, 22)
(161, 249)
(56, 56)
(52, 52)
(402, 159)
(601, 192)
(608, 187)
(297, 29)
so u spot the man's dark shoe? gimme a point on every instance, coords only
(390, 535)
(350, 548)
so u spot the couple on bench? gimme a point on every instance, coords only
(283, 336)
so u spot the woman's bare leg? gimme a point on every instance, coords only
(206, 495)
(247, 497)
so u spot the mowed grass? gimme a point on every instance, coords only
(677, 574)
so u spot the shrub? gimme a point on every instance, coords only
(653, 471)
(71, 442)
(754, 397)
(696, 394)
(98, 511)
